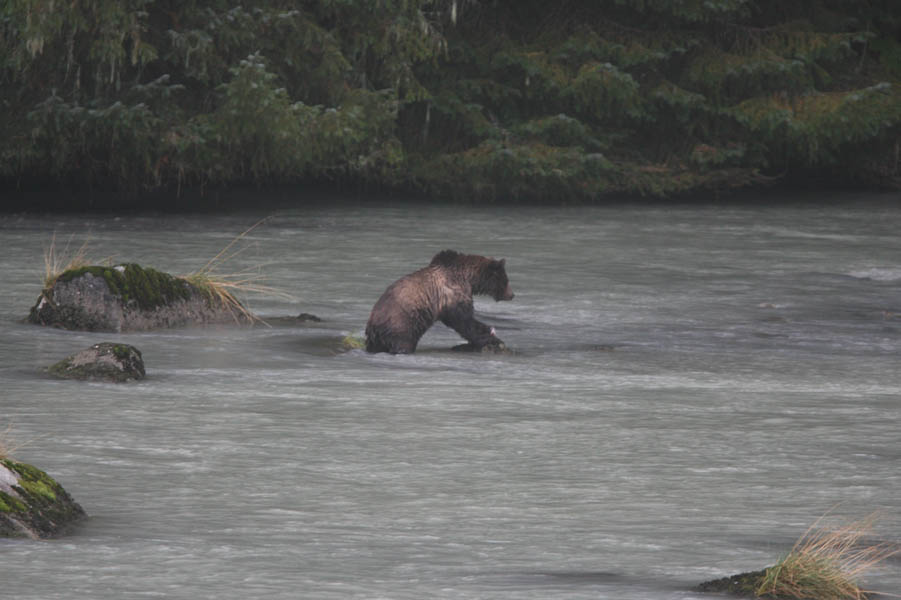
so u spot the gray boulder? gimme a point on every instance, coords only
(102, 362)
(33, 504)
(129, 297)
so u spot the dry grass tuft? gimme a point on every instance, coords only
(57, 262)
(7, 444)
(224, 286)
(825, 564)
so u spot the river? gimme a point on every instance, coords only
(693, 385)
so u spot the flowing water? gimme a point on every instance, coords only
(692, 387)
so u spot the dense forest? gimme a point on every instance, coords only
(481, 99)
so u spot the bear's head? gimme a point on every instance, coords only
(486, 275)
(494, 281)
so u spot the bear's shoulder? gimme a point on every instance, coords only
(446, 258)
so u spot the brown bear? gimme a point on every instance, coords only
(442, 292)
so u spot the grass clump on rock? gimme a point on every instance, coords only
(124, 297)
(129, 297)
(826, 564)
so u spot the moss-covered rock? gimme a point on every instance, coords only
(104, 362)
(351, 342)
(128, 297)
(33, 504)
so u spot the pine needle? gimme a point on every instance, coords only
(7, 446)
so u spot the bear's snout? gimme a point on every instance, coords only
(507, 295)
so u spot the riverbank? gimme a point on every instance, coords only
(54, 199)
(471, 101)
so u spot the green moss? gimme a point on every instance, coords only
(38, 488)
(146, 287)
(352, 342)
(37, 506)
(121, 351)
(79, 271)
(33, 480)
(65, 370)
(10, 504)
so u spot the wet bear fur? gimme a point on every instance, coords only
(442, 292)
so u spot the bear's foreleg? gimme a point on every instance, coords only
(462, 320)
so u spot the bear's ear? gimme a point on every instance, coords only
(502, 262)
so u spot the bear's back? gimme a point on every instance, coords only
(432, 287)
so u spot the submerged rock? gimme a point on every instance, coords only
(305, 317)
(128, 297)
(103, 362)
(603, 348)
(743, 585)
(351, 342)
(33, 504)
(495, 348)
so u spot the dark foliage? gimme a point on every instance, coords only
(464, 98)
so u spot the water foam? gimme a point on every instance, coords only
(878, 273)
